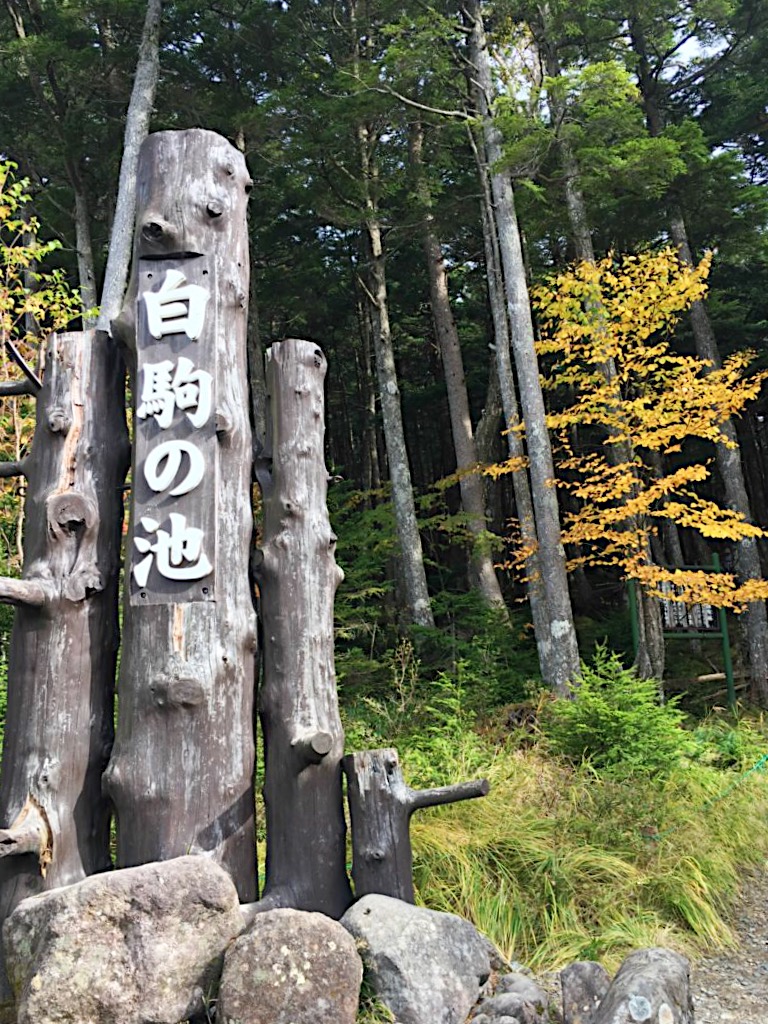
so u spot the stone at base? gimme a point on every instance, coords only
(291, 967)
(140, 944)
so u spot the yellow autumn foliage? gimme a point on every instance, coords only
(605, 330)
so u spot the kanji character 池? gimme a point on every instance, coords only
(178, 552)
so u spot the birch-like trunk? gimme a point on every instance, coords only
(481, 572)
(564, 660)
(136, 128)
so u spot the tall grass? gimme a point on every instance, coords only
(576, 855)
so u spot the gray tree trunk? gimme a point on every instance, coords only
(61, 669)
(481, 572)
(562, 635)
(298, 705)
(651, 651)
(728, 458)
(136, 128)
(181, 772)
(514, 440)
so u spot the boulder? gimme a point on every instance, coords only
(652, 986)
(584, 985)
(291, 967)
(427, 967)
(125, 947)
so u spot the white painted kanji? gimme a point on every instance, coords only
(162, 465)
(167, 386)
(176, 308)
(177, 553)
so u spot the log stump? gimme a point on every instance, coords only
(298, 704)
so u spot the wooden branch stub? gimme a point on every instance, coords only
(9, 388)
(32, 593)
(380, 806)
(313, 747)
(9, 469)
(29, 833)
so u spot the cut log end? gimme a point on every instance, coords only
(314, 746)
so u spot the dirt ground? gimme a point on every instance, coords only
(733, 986)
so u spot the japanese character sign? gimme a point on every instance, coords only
(173, 543)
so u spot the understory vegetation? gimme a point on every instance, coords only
(614, 821)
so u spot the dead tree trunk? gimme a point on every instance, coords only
(298, 705)
(61, 668)
(181, 774)
(380, 808)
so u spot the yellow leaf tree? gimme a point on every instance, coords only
(605, 329)
(33, 302)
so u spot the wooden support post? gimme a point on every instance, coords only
(380, 807)
(298, 577)
(61, 668)
(181, 773)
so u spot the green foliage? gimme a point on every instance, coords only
(617, 722)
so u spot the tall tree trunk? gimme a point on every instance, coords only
(650, 653)
(413, 576)
(728, 454)
(298, 705)
(136, 128)
(181, 773)
(564, 662)
(514, 440)
(482, 574)
(61, 669)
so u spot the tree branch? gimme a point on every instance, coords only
(9, 469)
(31, 593)
(16, 387)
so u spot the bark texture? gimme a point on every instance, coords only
(298, 705)
(61, 667)
(181, 773)
(380, 807)
(563, 653)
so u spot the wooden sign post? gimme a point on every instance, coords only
(181, 773)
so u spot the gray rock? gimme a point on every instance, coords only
(653, 986)
(291, 967)
(141, 944)
(427, 967)
(512, 1004)
(584, 985)
(522, 985)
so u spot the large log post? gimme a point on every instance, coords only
(298, 705)
(61, 669)
(380, 808)
(181, 773)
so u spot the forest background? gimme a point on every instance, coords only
(439, 189)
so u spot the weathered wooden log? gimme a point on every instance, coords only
(380, 808)
(63, 647)
(181, 773)
(298, 705)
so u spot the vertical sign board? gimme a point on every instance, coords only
(173, 547)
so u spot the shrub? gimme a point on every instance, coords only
(617, 722)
